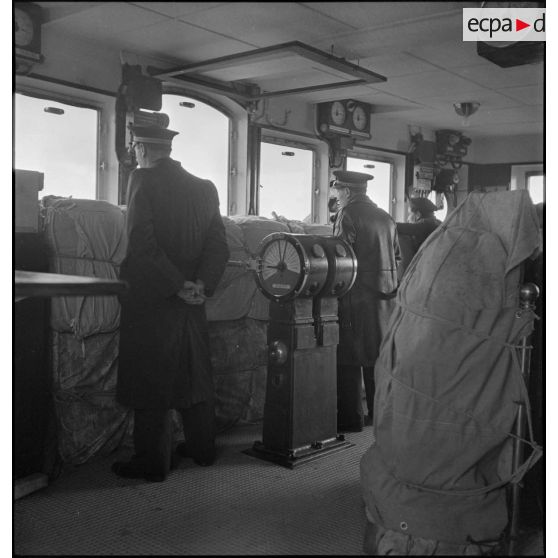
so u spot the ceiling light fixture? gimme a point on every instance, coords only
(466, 109)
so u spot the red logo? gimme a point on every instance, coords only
(519, 25)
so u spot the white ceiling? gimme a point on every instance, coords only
(417, 45)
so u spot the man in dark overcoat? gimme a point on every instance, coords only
(419, 226)
(365, 310)
(176, 255)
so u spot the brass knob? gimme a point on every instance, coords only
(528, 294)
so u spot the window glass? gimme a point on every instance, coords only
(535, 186)
(439, 199)
(202, 145)
(379, 189)
(62, 144)
(286, 182)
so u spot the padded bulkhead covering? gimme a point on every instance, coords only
(85, 237)
(448, 378)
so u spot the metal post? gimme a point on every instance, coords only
(528, 295)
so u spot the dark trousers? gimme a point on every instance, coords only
(349, 394)
(153, 434)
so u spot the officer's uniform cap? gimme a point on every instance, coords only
(351, 179)
(424, 205)
(153, 134)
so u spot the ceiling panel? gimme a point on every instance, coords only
(449, 54)
(491, 75)
(429, 83)
(488, 99)
(177, 9)
(59, 10)
(405, 37)
(428, 117)
(185, 42)
(267, 23)
(292, 80)
(106, 22)
(507, 129)
(377, 14)
(394, 65)
(530, 94)
(516, 114)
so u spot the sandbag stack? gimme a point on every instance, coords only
(238, 313)
(85, 237)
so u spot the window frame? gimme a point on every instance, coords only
(397, 160)
(298, 142)
(80, 96)
(233, 136)
(60, 98)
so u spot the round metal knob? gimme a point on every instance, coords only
(528, 294)
(278, 352)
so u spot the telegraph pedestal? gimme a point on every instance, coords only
(307, 275)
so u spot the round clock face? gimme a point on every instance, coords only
(24, 30)
(338, 113)
(359, 118)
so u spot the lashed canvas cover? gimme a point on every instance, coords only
(447, 378)
(85, 237)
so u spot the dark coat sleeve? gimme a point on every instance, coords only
(146, 260)
(215, 251)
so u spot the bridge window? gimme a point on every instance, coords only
(379, 189)
(286, 181)
(59, 140)
(202, 145)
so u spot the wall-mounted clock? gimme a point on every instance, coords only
(27, 31)
(360, 118)
(346, 117)
(338, 113)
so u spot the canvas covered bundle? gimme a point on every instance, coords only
(448, 381)
(90, 421)
(85, 237)
(88, 238)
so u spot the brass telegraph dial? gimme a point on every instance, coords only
(280, 268)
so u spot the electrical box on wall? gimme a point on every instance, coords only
(423, 178)
(346, 117)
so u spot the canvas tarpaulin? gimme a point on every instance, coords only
(448, 380)
(85, 237)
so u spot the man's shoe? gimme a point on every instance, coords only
(204, 459)
(131, 470)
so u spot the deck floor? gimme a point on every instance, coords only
(240, 506)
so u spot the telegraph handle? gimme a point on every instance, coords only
(251, 265)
